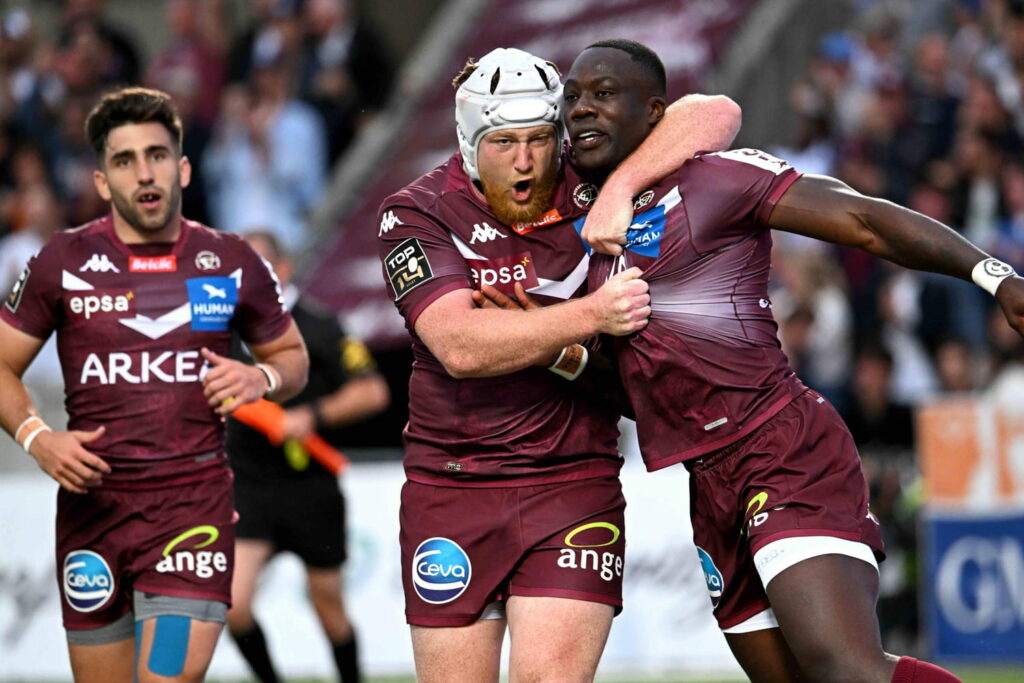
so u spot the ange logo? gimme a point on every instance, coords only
(203, 563)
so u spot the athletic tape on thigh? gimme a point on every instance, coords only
(782, 554)
(169, 649)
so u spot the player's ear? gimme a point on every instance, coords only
(655, 109)
(184, 171)
(99, 179)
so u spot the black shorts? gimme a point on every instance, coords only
(306, 517)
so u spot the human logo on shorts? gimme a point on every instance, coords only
(88, 581)
(713, 577)
(441, 570)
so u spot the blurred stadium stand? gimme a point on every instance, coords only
(918, 101)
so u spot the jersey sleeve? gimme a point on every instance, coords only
(261, 316)
(34, 303)
(420, 261)
(731, 194)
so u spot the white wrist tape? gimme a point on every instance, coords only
(30, 418)
(988, 273)
(571, 362)
(27, 445)
(271, 378)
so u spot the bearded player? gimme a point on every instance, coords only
(778, 502)
(512, 513)
(143, 302)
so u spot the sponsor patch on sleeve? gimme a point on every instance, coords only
(212, 301)
(14, 298)
(407, 267)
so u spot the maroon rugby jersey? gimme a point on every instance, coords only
(130, 320)
(708, 369)
(437, 236)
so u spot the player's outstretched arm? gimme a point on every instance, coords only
(830, 210)
(691, 124)
(280, 372)
(483, 342)
(62, 455)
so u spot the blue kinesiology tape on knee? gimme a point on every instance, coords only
(170, 645)
(138, 650)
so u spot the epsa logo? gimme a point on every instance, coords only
(203, 563)
(441, 570)
(712, 576)
(88, 305)
(504, 272)
(88, 581)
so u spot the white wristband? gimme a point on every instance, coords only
(32, 437)
(571, 362)
(988, 273)
(271, 379)
(24, 422)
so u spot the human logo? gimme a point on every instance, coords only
(441, 570)
(387, 223)
(212, 301)
(712, 576)
(583, 553)
(483, 232)
(207, 260)
(87, 579)
(215, 292)
(98, 263)
(189, 558)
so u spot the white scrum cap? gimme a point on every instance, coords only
(509, 89)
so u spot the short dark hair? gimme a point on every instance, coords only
(131, 105)
(647, 58)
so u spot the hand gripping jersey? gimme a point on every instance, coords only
(130, 321)
(437, 236)
(708, 369)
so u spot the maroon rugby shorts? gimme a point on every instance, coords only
(797, 475)
(177, 541)
(464, 548)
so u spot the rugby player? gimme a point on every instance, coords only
(512, 513)
(779, 505)
(143, 302)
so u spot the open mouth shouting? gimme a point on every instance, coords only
(522, 190)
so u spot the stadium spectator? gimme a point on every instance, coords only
(266, 164)
(768, 458)
(508, 474)
(139, 496)
(285, 500)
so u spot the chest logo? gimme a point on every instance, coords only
(212, 302)
(153, 264)
(644, 235)
(207, 260)
(584, 194)
(552, 216)
(502, 273)
(98, 263)
(643, 200)
(483, 232)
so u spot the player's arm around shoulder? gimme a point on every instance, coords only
(692, 124)
(62, 455)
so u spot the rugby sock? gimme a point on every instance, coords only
(253, 646)
(347, 660)
(910, 670)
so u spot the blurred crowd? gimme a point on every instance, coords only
(269, 100)
(920, 102)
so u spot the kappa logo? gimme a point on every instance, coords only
(482, 232)
(98, 263)
(388, 222)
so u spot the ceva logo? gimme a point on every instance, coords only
(712, 576)
(88, 581)
(441, 570)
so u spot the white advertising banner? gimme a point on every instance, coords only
(666, 625)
